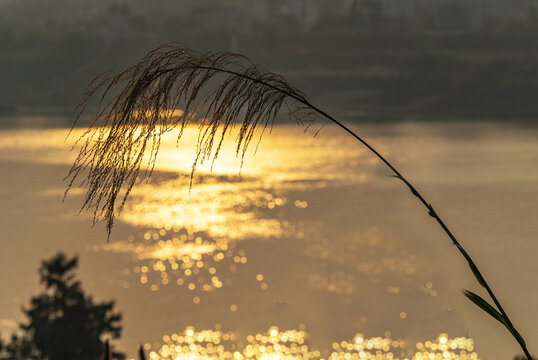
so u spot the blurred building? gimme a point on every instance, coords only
(86, 11)
(301, 13)
(419, 15)
(459, 15)
(214, 14)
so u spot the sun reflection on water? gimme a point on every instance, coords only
(276, 344)
(172, 255)
(228, 209)
(193, 241)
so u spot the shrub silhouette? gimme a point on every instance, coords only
(63, 323)
(19, 347)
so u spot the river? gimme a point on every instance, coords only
(309, 250)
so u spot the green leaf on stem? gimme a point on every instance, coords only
(484, 305)
(477, 274)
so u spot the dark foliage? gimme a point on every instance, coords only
(19, 348)
(63, 322)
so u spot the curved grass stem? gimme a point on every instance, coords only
(170, 74)
(431, 211)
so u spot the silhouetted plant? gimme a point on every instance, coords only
(63, 322)
(216, 89)
(18, 348)
(108, 354)
(141, 354)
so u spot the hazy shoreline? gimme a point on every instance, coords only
(65, 119)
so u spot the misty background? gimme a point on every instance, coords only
(365, 60)
(444, 88)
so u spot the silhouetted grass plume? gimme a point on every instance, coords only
(130, 122)
(215, 90)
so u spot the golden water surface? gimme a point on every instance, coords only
(308, 246)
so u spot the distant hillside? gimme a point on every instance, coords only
(366, 68)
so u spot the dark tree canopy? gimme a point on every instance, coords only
(63, 322)
(19, 347)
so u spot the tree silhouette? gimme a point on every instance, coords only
(63, 322)
(19, 347)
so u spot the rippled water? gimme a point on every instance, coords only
(293, 344)
(312, 235)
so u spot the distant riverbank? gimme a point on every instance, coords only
(366, 77)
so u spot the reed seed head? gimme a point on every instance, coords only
(135, 108)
